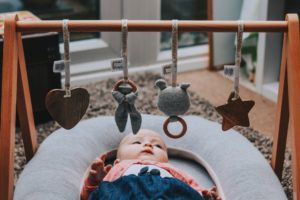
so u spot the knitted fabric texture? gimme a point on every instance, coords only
(173, 101)
(126, 99)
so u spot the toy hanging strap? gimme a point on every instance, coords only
(174, 51)
(238, 58)
(124, 48)
(66, 36)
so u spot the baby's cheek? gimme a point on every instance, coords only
(164, 157)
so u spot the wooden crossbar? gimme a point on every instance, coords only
(15, 90)
(151, 26)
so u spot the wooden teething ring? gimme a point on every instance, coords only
(183, 131)
(120, 82)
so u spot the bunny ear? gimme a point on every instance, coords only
(161, 83)
(184, 86)
(121, 116)
(136, 119)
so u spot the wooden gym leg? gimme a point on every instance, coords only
(282, 117)
(293, 74)
(8, 108)
(24, 106)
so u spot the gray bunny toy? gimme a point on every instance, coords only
(125, 91)
(126, 95)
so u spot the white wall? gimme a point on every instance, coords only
(269, 44)
(143, 47)
(223, 49)
(267, 79)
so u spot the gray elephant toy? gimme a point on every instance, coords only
(173, 101)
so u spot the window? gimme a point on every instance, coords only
(183, 10)
(91, 54)
(58, 9)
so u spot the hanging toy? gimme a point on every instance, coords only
(235, 112)
(66, 106)
(125, 91)
(173, 100)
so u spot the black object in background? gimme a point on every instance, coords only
(40, 51)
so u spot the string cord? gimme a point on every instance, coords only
(124, 48)
(66, 38)
(238, 58)
(174, 51)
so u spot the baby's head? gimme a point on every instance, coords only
(146, 145)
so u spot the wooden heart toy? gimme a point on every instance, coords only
(67, 111)
(67, 106)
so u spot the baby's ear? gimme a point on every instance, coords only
(116, 161)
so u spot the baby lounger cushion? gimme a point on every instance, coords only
(227, 160)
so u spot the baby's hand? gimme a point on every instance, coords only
(211, 194)
(98, 170)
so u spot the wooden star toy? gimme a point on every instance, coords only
(235, 112)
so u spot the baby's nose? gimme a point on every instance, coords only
(148, 145)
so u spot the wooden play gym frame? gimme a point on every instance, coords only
(16, 95)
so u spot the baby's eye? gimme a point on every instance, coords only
(136, 142)
(159, 146)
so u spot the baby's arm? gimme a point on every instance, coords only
(211, 194)
(97, 172)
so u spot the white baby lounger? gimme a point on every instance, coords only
(227, 160)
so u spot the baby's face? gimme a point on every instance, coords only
(146, 145)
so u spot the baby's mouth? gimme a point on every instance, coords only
(147, 151)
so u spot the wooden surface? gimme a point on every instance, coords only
(24, 106)
(175, 135)
(210, 36)
(151, 26)
(235, 112)
(8, 109)
(120, 82)
(282, 116)
(67, 111)
(293, 74)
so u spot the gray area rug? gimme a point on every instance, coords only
(102, 103)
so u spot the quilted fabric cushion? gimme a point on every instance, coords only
(227, 160)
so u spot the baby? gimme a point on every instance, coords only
(141, 171)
